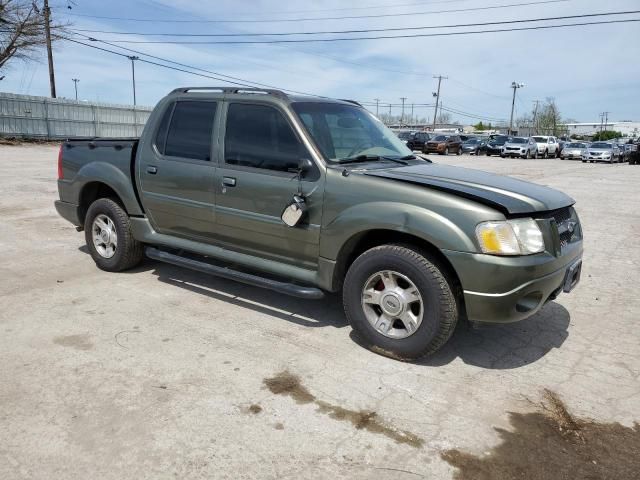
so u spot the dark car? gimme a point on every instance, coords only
(418, 139)
(472, 145)
(494, 145)
(443, 145)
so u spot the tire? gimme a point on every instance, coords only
(436, 302)
(446, 151)
(459, 151)
(546, 154)
(584, 161)
(127, 252)
(535, 155)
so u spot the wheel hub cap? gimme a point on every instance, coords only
(105, 237)
(392, 304)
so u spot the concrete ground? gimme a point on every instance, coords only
(160, 372)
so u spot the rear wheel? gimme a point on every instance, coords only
(399, 303)
(107, 230)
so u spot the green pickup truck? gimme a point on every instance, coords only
(305, 195)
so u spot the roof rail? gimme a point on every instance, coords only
(351, 101)
(266, 91)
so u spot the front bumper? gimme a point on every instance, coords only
(510, 289)
(69, 212)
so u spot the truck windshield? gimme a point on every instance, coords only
(345, 131)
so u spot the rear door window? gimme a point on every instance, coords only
(190, 131)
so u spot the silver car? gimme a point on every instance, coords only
(522, 147)
(574, 150)
(602, 152)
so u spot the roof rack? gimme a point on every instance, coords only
(265, 91)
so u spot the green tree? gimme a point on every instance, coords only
(606, 135)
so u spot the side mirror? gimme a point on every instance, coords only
(305, 165)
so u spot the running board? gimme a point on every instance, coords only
(224, 272)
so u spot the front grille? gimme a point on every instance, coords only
(565, 218)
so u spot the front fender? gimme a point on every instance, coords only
(111, 176)
(414, 220)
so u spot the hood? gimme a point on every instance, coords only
(507, 194)
(518, 145)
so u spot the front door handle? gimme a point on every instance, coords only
(152, 170)
(228, 181)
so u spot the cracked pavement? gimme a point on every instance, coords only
(152, 373)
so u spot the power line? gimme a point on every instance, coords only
(369, 30)
(350, 17)
(381, 37)
(253, 84)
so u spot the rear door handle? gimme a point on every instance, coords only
(228, 181)
(152, 170)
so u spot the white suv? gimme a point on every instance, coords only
(547, 146)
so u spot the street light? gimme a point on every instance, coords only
(133, 58)
(75, 85)
(515, 86)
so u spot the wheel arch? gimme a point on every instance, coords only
(92, 191)
(363, 241)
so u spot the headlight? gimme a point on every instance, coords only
(520, 236)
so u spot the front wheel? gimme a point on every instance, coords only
(107, 231)
(446, 151)
(399, 303)
(546, 154)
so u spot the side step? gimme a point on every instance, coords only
(224, 272)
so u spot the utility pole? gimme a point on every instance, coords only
(606, 119)
(377, 100)
(535, 118)
(601, 120)
(75, 84)
(402, 114)
(47, 32)
(515, 86)
(133, 76)
(437, 95)
(412, 119)
(389, 113)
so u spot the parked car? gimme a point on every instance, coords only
(307, 195)
(494, 145)
(418, 139)
(404, 135)
(602, 152)
(629, 148)
(547, 146)
(522, 147)
(574, 150)
(634, 155)
(472, 146)
(443, 145)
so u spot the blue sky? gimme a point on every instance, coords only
(587, 69)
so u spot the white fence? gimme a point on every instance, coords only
(53, 118)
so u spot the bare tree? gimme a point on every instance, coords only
(444, 117)
(22, 31)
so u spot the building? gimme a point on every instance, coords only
(626, 128)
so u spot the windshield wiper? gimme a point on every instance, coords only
(374, 158)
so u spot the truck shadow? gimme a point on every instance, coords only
(506, 346)
(309, 313)
(498, 347)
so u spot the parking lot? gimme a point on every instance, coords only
(166, 373)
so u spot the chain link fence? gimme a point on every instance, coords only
(27, 116)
